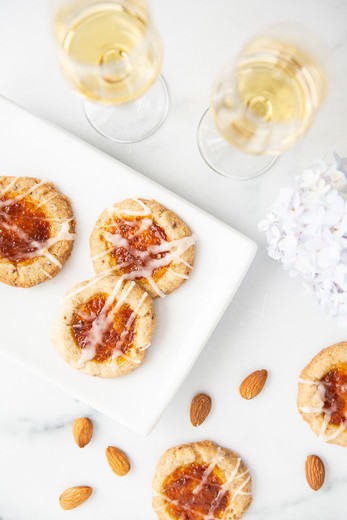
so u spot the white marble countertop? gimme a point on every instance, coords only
(268, 325)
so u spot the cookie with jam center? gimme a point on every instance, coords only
(36, 231)
(201, 480)
(143, 241)
(322, 394)
(105, 326)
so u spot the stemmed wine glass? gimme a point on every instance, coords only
(265, 102)
(111, 53)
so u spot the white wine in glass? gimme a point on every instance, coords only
(264, 104)
(111, 53)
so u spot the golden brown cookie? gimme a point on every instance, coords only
(201, 481)
(36, 231)
(322, 394)
(146, 242)
(105, 326)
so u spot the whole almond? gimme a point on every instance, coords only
(315, 472)
(253, 384)
(200, 408)
(74, 496)
(82, 430)
(118, 461)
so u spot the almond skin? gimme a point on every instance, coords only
(253, 384)
(200, 408)
(315, 472)
(82, 430)
(74, 496)
(118, 461)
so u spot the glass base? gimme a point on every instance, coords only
(133, 121)
(225, 159)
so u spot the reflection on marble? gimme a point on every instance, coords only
(268, 325)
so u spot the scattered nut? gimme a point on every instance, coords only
(253, 384)
(82, 430)
(118, 461)
(200, 408)
(74, 496)
(315, 472)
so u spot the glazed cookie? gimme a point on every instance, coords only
(36, 231)
(201, 481)
(322, 394)
(105, 326)
(146, 242)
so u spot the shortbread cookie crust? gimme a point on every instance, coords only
(201, 480)
(36, 231)
(145, 242)
(105, 326)
(322, 394)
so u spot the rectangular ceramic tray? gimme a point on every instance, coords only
(186, 318)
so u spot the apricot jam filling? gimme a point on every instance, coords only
(335, 394)
(23, 226)
(194, 491)
(132, 239)
(105, 336)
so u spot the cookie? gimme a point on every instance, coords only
(146, 242)
(322, 394)
(36, 231)
(105, 326)
(199, 481)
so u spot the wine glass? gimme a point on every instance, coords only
(264, 103)
(111, 53)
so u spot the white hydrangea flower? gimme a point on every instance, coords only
(306, 230)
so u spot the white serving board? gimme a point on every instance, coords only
(185, 319)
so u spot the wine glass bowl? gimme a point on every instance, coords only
(263, 104)
(111, 53)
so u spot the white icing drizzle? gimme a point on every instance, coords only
(91, 282)
(159, 508)
(320, 410)
(327, 417)
(308, 382)
(175, 503)
(47, 219)
(144, 212)
(47, 274)
(311, 409)
(172, 249)
(179, 275)
(8, 187)
(223, 489)
(235, 475)
(51, 258)
(130, 359)
(104, 320)
(116, 240)
(145, 223)
(51, 197)
(40, 248)
(145, 347)
(103, 253)
(239, 491)
(205, 476)
(21, 196)
(125, 332)
(155, 287)
(12, 227)
(187, 264)
(333, 435)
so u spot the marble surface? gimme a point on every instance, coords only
(268, 325)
